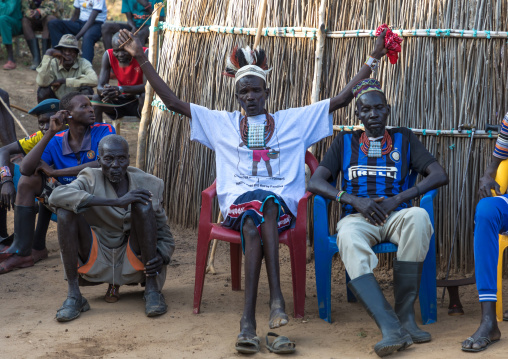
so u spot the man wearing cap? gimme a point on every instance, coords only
(85, 23)
(375, 195)
(128, 97)
(62, 71)
(259, 199)
(57, 159)
(22, 218)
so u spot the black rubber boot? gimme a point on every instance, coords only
(406, 284)
(46, 44)
(33, 45)
(24, 223)
(395, 337)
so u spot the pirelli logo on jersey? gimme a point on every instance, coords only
(381, 171)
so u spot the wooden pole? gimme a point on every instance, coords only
(14, 117)
(261, 20)
(146, 112)
(318, 59)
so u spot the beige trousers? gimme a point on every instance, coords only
(410, 229)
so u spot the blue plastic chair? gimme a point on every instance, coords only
(325, 247)
(16, 177)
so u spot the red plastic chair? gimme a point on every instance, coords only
(295, 239)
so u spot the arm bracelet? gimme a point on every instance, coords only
(372, 63)
(339, 195)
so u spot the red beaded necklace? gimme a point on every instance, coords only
(365, 143)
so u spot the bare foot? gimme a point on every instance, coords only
(487, 333)
(278, 316)
(247, 329)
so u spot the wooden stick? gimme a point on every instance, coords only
(14, 117)
(157, 8)
(145, 113)
(19, 108)
(261, 20)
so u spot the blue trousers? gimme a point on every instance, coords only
(58, 28)
(491, 218)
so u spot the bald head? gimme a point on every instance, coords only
(113, 141)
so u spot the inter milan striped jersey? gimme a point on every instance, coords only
(501, 149)
(369, 177)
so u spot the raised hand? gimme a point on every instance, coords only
(136, 196)
(133, 46)
(58, 121)
(379, 48)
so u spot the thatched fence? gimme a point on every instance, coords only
(452, 71)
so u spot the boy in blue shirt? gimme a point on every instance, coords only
(55, 160)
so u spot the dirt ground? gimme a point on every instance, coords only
(30, 297)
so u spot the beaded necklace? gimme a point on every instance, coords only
(255, 136)
(365, 143)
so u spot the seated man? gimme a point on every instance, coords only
(238, 141)
(128, 97)
(55, 160)
(36, 16)
(43, 111)
(375, 198)
(490, 220)
(7, 135)
(111, 222)
(136, 11)
(10, 25)
(62, 71)
(86, 22)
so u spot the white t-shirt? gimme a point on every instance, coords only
(296, 129)
(86, 7)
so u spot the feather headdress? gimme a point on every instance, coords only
(254, 60)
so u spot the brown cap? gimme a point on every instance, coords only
(68, 41)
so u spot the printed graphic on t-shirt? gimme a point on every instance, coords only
(377, 171)
(259, 167)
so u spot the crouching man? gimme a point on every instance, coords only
(375, 197)
(111, 222)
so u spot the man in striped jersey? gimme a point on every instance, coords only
(491, 218)
(375, 196)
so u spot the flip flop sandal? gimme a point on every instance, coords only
(475, 350)
(71, 309)
(247, 346)
(280, 345)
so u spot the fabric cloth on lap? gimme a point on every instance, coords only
(295, 130)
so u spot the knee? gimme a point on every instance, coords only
(270, 209)
(141, 209)
(48, 19)
(418, 216)
(29, 184)
(86, 90)
(107, 29)
(53, 24)
(487, 210)
(249, 229)
(26, 23)
(96, 97)
(44, 93)
(64, 215)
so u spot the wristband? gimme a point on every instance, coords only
(372, 63)
(5, 171)
(339, 195)
(7, 180)
(120, 90)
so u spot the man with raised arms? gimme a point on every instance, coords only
(260, 161)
